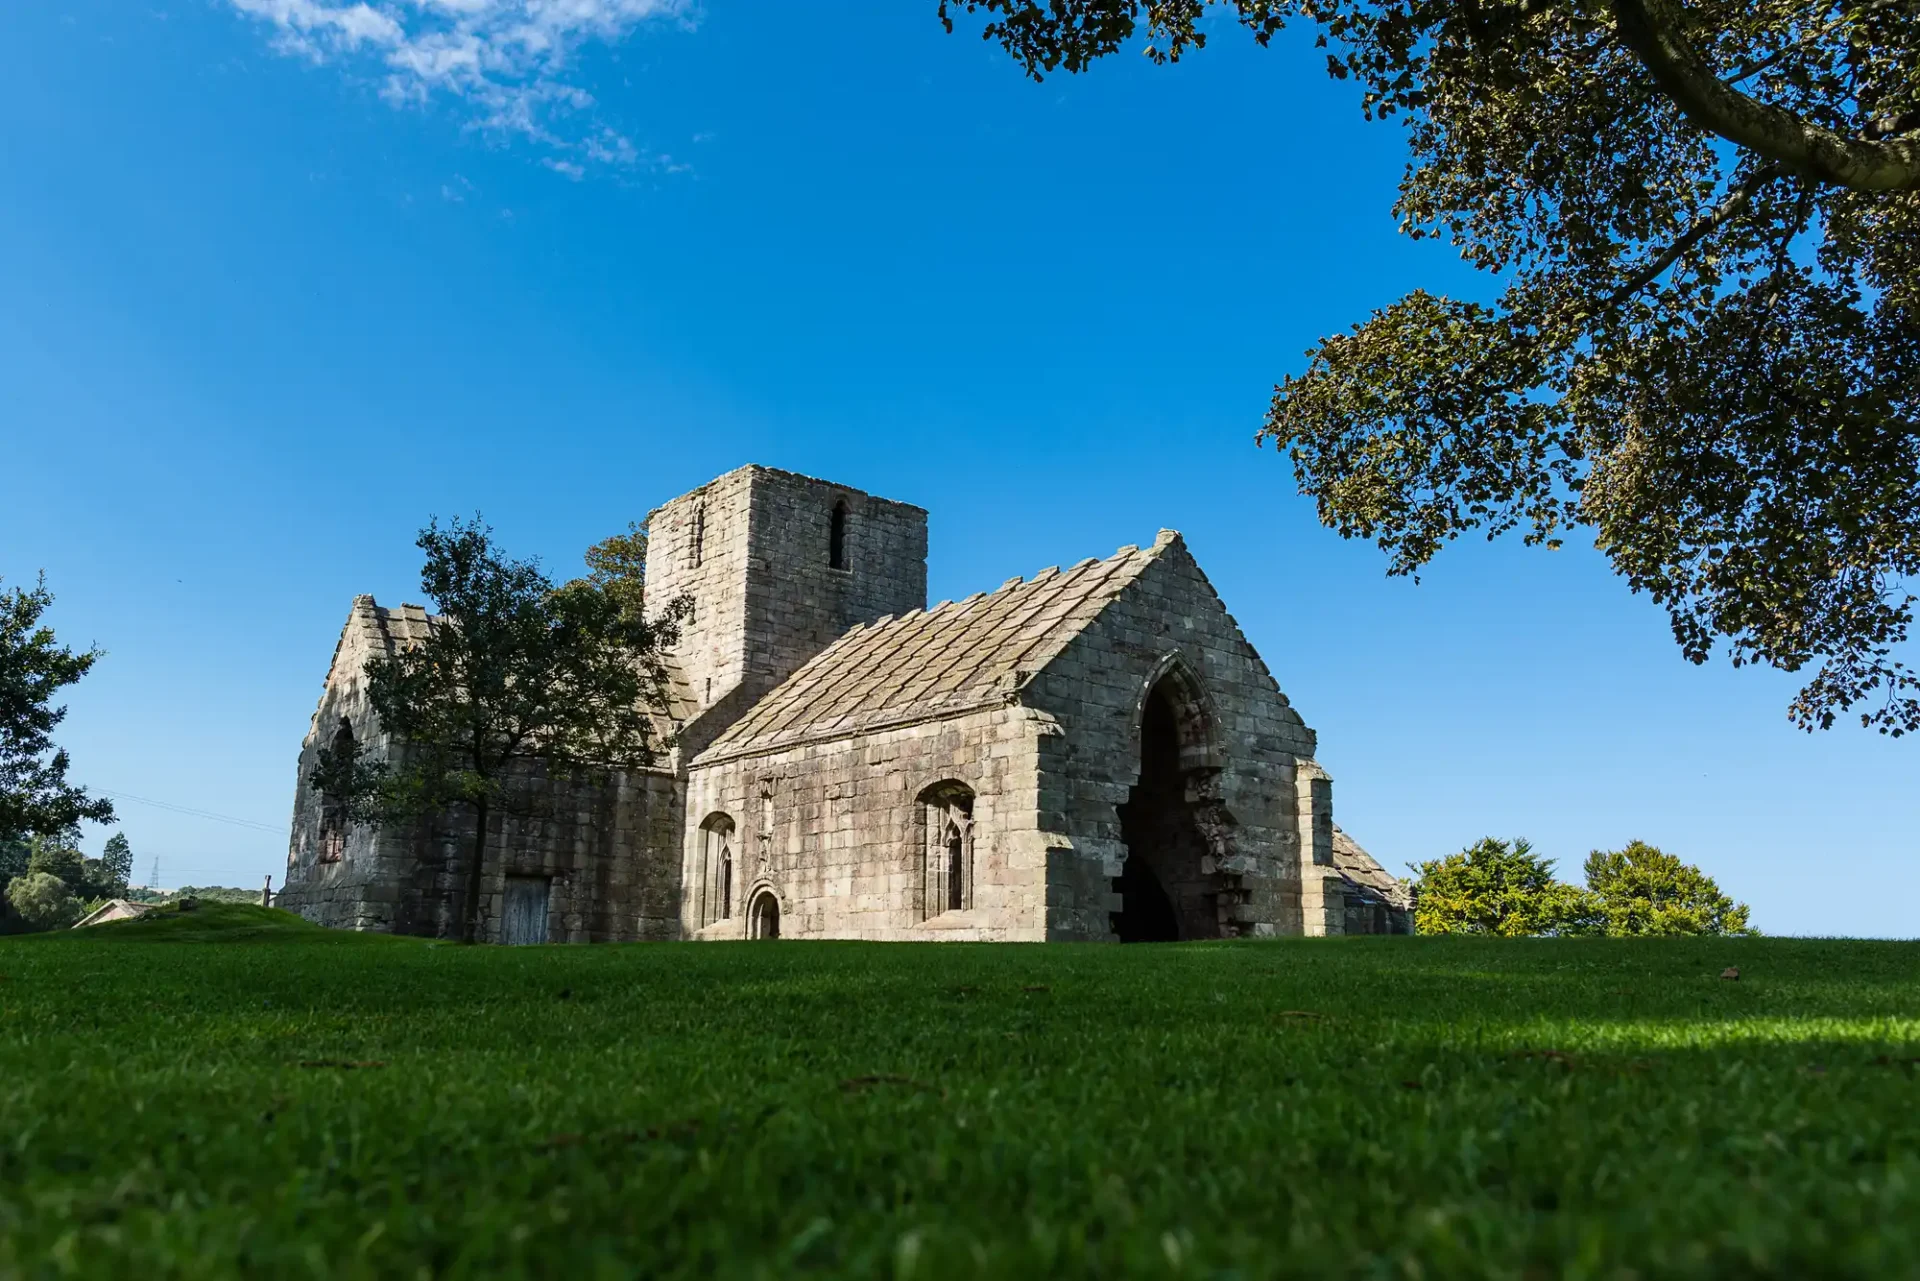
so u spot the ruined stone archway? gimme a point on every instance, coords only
(1172, 824)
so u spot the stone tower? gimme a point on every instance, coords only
(778, 566)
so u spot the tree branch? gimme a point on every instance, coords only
(1655, 31)
(1776, 58)
(1887, 126)
(1732, 203)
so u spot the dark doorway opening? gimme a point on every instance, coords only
(1166, 892)
(764, 918)
(1146, 914)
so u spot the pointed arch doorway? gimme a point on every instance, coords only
(763, 916)
(1169, 885)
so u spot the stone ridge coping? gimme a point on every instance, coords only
(376, 623)
(786, 475)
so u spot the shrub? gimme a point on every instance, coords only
(1497, 887)
(1644, 890)
(43, 900)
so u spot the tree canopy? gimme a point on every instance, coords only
(1644, 890)
(43, 900)
(116, 863)
(617, 566)
(517, 672)
(35, 796)
(1495, 887)
(1702, 222)
(1504, 888)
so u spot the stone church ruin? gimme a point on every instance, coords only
(1092, 753)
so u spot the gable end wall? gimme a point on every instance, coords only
(1095, 689)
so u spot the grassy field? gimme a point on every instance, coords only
(230, 1092)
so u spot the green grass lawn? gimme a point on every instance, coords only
(230, 1092)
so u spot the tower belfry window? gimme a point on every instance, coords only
(837, 537)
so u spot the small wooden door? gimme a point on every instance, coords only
(525, 917)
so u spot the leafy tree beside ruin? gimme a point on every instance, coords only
(1700, 224)
(35, 796)
(518, 675)
(617, 566)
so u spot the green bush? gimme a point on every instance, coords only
(1644, 890)
(43, 900)
(1497, 887)
(1503, 888)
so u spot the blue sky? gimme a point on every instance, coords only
(279, 279)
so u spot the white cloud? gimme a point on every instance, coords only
(504, 61)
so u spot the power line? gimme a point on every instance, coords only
(194, 813)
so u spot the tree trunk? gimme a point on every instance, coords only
(470, 917)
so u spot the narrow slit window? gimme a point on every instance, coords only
(699, 534)
(837, 537)
(956, 868)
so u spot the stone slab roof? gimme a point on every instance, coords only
(1360, 867)
(939, 662)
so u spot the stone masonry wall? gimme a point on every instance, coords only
(611, 848)
(1170, 618)
(834, 829)
(697, 546)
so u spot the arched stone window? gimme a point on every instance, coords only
(946, 848)
(333, 806)
(716, 869)
(837, 537)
